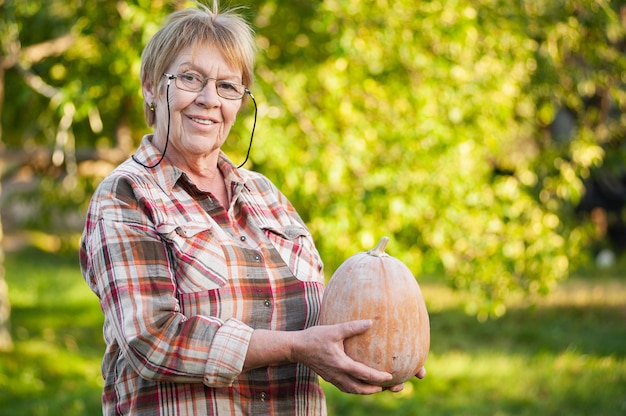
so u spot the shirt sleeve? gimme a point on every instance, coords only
(127, 266)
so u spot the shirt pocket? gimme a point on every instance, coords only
(197, 256)
(295, 245)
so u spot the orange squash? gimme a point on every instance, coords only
(373, 285)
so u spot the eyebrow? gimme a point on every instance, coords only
(228, 77)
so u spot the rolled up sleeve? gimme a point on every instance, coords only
(227, 353)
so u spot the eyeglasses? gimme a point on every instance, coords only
(195, 83)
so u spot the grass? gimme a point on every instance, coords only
(54, 368)
(560, 355)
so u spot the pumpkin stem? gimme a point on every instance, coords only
(379, 250)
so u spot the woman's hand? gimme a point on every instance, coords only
(321, 349)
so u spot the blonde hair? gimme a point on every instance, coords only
(225, 30)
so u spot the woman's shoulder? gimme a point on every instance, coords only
(125, 174)
(128, 183)
(264, 193)
(261, 186)
(254, 179)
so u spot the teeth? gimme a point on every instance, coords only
(202, 121)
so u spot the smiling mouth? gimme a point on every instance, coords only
(203, 121)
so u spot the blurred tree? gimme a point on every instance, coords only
(64, 74)
(426, 121)
(429, 121)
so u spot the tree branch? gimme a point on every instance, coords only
(36, 53)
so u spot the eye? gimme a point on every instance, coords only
(189, 78)
(227, 86)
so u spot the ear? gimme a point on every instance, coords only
(149, 95)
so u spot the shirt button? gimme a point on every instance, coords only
(257, 258)
(267, 303)
(242, 238)
(263, 396)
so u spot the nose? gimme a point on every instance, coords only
(208, 97)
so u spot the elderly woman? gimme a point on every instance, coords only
(208, 279)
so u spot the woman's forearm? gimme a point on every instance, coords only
(270, 348)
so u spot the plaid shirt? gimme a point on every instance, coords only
(183, 283)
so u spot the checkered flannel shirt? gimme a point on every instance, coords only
(183, 282)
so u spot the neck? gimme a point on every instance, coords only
(214, 183)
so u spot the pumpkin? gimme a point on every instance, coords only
(374, 285)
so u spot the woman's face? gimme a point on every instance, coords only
(200, 121)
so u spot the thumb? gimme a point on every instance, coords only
(352, 328)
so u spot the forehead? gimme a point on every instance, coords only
(206, 58)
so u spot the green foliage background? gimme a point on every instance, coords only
(425, 121)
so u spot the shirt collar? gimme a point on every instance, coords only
(234, 177)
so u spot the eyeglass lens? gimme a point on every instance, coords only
(193, 83)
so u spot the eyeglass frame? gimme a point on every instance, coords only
(205, 81)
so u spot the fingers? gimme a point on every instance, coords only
(351, 376)
(356, 369)
(396, 389)
(321, 349)
(352, 328)
(367, 374)
(323, 352)
(353, 386)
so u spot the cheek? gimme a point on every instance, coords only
(174, 98)
(178, 102)
(230, 112)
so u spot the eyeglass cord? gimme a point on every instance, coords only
(253, 127)
(167, 138)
